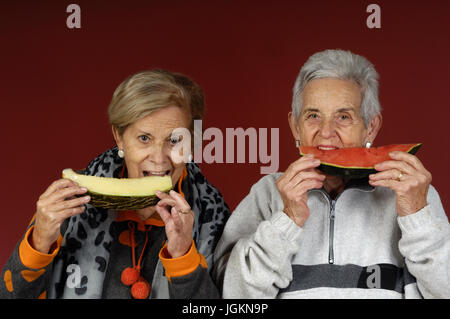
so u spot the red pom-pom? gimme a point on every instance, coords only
(129, 276)
(140, 289)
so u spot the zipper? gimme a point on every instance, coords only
(331, 233)
(332, 217)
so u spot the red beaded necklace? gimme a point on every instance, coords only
(140, 288)
(131, 276)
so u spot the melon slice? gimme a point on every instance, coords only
(355, 162)
(121, 194)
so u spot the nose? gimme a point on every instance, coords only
(327, 128)
(157, 154)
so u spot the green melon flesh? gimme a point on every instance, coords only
(121, 194)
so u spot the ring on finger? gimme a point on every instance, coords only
(399, 177)
(185, 211)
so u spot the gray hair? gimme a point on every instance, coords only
(342, 65)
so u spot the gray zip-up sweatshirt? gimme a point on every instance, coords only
(355, 246)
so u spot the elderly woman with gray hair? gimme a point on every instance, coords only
(73, 249)
(306, 234)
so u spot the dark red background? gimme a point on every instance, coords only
(56, 83)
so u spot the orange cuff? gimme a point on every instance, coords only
(181, 266)
(32, 258)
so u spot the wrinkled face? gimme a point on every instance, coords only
(330, 116)
(149, 143)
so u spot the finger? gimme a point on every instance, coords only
(294, 168)
(162, 195)
(56, 185)
(181, 202)
(408, 158)
(177, 221)
(73, 211)
(305, 175)
(166, 202)
(388, 174)
(307, 185)
(399, 165)
(66, 193)
(389, 183)
(163, 213)
(67, 204)
(301, 189)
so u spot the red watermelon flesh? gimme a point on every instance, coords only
(355, 162)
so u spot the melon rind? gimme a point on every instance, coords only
(121, 194)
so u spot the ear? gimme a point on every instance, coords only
(294, 126)
(374, 127)
(117, 137)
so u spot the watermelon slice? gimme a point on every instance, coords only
(355, 162)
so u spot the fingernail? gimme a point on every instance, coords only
(84, 189)
(87, 198)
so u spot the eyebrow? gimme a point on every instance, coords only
(344, 109)
(145, 133)
(310, 109)
(140, 132)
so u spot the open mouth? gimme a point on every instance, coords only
(327, 147)
(156, 173)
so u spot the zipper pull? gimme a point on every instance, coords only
(333, 203)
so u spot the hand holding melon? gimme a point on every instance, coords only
(56, 204)
(179, 222)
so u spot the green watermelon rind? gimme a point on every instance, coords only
(354, 172)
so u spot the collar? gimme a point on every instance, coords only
(356, 184)
(360, 184)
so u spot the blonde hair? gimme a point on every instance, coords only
(148, 91)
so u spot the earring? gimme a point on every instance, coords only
(190, 158)
(297, 143)
(368, 145)
(120, 153)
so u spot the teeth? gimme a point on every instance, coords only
(327, 148)
(157, 173)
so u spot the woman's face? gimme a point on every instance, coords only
(148, 143)
(330, 117)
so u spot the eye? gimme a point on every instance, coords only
(312, 116)
(143, 138)
(175, 140)
(344, 117)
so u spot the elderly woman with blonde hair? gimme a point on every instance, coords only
(73, 249)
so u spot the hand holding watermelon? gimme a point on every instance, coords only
(294, 184)
(407, 177)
